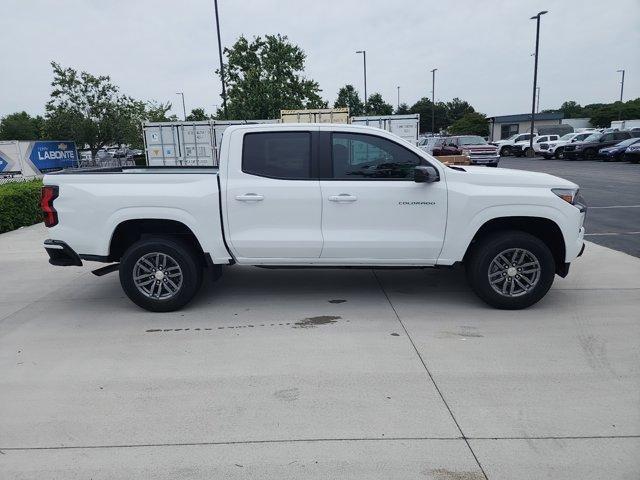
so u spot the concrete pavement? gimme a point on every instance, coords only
(317, 374)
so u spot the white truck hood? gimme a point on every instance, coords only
(479, 175)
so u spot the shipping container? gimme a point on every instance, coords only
(316, 115)
(186, 143)
(404, 126)
(35, 158)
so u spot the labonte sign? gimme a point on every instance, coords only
(36, 157)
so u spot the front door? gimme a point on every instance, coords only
(372, 210)
(273, 197)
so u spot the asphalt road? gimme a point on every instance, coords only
(612, 191)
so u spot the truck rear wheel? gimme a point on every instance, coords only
(510, 269)
(160, 274)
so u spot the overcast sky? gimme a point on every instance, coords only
(482, 49)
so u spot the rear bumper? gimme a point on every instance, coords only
(61, 254)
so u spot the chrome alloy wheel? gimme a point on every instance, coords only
(157, 275)
(514, 272)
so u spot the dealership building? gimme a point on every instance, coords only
(506, 125)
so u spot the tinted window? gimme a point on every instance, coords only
(279, 155)
(621, 135)
(607, 137)
(357, 156)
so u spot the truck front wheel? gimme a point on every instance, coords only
(160, 274)
(510, 269)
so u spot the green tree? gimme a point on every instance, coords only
(456, 109)
(157, 112)
(21, 126)
(473, 123)
(348, 97)
(377, 106)
(264, 76)
(89, 109)
(423, 107)
(402, 109)
(197, 114)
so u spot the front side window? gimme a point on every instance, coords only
(359, 156)
(285, 155)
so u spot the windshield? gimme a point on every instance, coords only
(628, 142)
(594, 137)
(513, 136)
(567, 137)
(472, 140)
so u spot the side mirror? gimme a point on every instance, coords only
(425, 174)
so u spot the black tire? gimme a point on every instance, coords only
(528, 152)
(505, 151)
(494, 165)
(559, 153)
(180, 254)
(481, 258)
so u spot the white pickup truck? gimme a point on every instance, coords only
(315, 196)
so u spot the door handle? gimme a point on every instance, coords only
(343, 198)
(250, 197)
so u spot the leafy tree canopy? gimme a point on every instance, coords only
(377, 106)
(348, 97)
(472, 123)
(402, 109)
(264, 76)
(197, 114)
(21, 126)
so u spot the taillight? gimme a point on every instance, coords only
(48, 195)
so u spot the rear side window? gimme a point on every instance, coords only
(285, 155)
(621, 135)
(359, 156)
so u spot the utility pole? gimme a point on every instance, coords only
(364, 59)
(433, 100)
(621, 92)
(535, 78)
(398, 97)
(224, 89)
(538, 101)
(184, 109)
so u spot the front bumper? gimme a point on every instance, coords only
(484, 159)
(61, 254)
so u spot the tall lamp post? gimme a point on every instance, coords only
(535, 78)
(224, 89)
(398, 97)
(364, 59)
(433, 100)
(184, 109)
(621, 92)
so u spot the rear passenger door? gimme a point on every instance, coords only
(273, 196)
(373, 211)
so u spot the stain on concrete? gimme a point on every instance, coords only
(445, 474)
(287, 395)
(394, 334)
(337, 300)
(312, 322)
(463, 332)
(595, 352)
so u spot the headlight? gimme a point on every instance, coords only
(569, 195)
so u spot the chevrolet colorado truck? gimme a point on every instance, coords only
(314, 196)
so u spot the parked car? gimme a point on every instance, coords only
(521, 148)
(505, 146)
(475, 147)
(428, 143)
(616, 152)
(632, 153)
(556, 148)
(588, 148)
(373, 200)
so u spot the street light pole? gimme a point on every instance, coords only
(364, 59)
(224, 89)
(184, 109)
(621, 92)
(433, 100)
(535, 78)
(398, 97)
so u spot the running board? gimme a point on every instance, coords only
(108, 269)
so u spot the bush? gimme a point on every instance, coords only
(19, 204)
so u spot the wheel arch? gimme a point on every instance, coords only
(545, 229)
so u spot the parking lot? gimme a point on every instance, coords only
(388, 374)
(611, 191)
